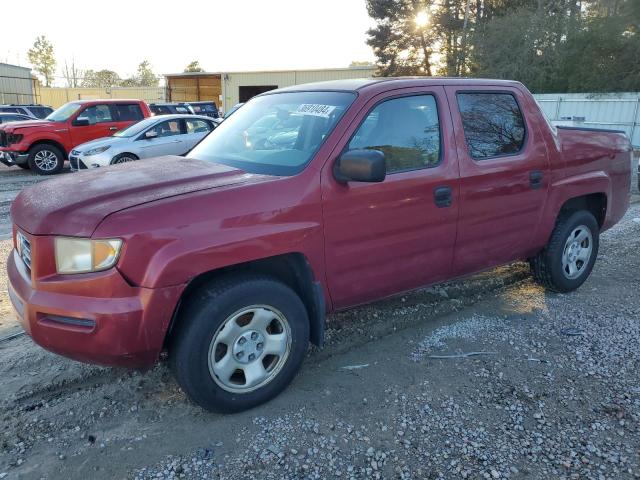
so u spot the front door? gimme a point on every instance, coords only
(95, 121)
(388, 237)
(503, 176)
(169, 140)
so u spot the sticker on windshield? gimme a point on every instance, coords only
(316, 110)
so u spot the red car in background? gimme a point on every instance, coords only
(44, 145)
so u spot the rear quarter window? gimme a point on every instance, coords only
(493, 124)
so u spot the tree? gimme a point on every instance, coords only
(42, 58)
(72, 75)
(194, 67)
(402, 40)
(101, 79)
(144, 77)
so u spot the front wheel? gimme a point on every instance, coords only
(124, 158)
(239, 342)
(567, 260)
(46, 159)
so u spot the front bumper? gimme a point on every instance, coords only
(95, 318)
(79, 161)
(10, 158)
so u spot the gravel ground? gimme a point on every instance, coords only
(487, 378)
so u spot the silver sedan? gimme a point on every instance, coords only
(151, 137)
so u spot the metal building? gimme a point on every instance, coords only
(229, 88)
(16, 84)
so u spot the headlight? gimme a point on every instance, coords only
(80, 255)
(97, 150)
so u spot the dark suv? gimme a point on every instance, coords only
(209, 109)
(30, 110)
(171, 108)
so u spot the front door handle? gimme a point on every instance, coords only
(535, 179)
(113, 129)
(442, 196)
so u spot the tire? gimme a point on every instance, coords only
(562, 266)
(46, 159)
(124, 158)
(208, 342)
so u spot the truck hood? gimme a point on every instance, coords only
(75, 204)
(12, 126)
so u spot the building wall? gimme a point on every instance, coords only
(56, 97)
(232, 81)
(616, 111)
(16, 84)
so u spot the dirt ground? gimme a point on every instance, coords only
(490, 377)
(552, 393)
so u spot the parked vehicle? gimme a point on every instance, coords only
(171, 108)
(230, 257)
(209, 109)
(30, 110)
(43, 145)
(152, 137)
(12, 117)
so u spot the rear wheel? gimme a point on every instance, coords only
(124, 158)
(567, 260)
(46, 159)
(239, 342)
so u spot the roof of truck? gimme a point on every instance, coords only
(355, 84)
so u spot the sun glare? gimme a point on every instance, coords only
(422, 18)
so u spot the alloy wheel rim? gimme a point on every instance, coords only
(46, 160)
(577, 252)
(124, 160)
(249, 348)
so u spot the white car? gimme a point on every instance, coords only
(151, 137)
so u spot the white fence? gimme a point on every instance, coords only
(613, 111)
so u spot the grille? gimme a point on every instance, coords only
(24, 249)
(3, 139)
(76, 164)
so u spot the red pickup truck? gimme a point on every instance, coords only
(307, 200)
(43, 145)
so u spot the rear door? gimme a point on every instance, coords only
(126, 114)
(384, 238)
(503, 176)
(170, 140)
(197, 129)
(93, 121)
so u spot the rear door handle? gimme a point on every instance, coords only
(442, 197)
(535, 179)
(113, 129)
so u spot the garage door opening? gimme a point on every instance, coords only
(245, 93)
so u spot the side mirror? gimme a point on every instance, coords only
(81, 122)
(151, 134)
(360, 166)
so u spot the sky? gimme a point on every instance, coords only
(223, 35)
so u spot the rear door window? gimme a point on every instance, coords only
(197, 126)
(405, 129)
(493, 124)
(129, 112)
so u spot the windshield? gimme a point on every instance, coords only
(275, 134)
(136, 128)
(64, 112)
